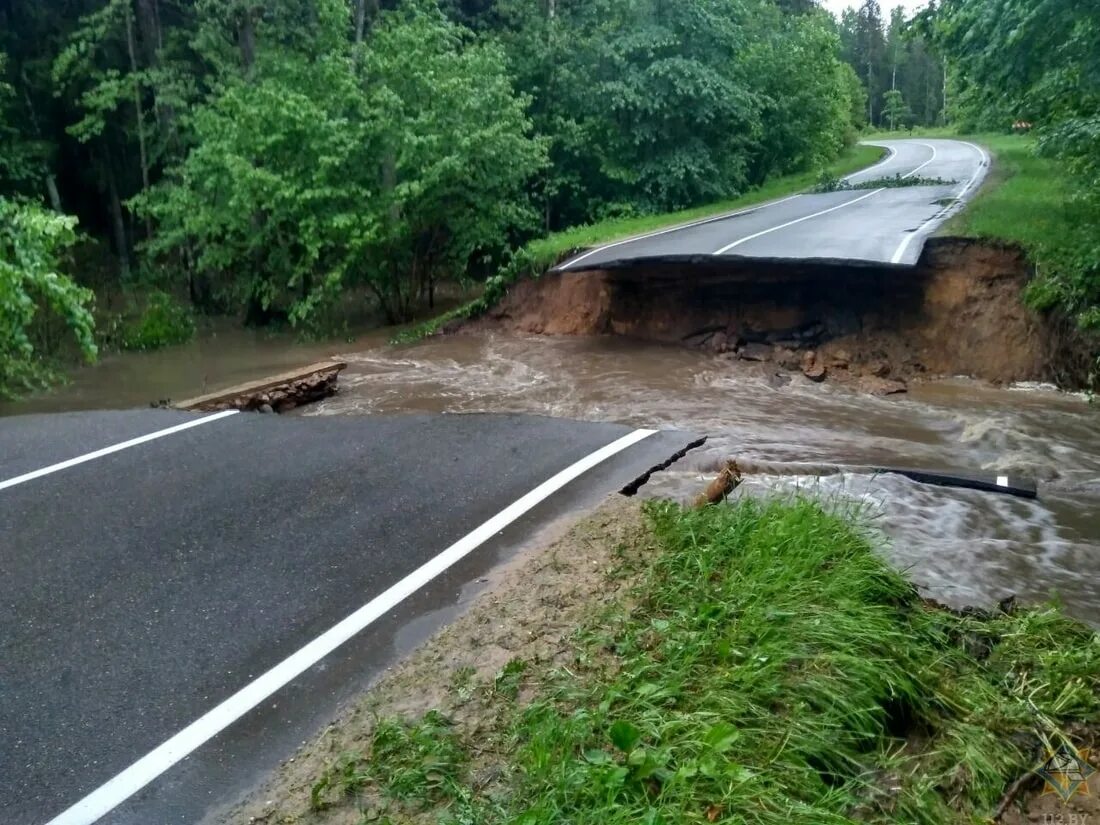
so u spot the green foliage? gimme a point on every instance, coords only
(421, 762)
(17, 152)
(162, 323)
(808, 99)
(271, 159)
(895, 111)
(32, 242)
(769, 665)
(651, 107)
(538, 255)
(1039, 61)
(893, 57)
(897, 181)
(388, 168)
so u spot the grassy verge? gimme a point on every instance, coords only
(541, 254)
(1036, 202)
(767, 667)
(1024, 199)
(549, 250)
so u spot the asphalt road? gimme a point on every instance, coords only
(883, 225)
(146, 590)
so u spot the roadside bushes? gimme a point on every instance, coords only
(33, 292)
(1039, 62)
(156, 322)
(385, 166)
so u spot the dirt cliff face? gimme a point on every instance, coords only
(957, 313)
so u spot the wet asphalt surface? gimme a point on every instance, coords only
(144, 587)
(884, 226)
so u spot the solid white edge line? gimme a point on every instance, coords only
(926, 146)
(125, 445)
(983, 163)
(117, 790)
(671, 229)
(748, 238)
(891, 152)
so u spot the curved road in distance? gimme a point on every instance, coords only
(879, 225)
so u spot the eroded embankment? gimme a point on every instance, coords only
(958, 312)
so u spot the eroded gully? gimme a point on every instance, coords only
(964, 547)
(790, 433)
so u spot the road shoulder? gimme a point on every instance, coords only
(528, 611)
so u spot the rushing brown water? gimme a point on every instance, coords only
(221, 357)
(963, 546)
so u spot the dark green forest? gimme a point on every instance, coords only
(1037, 62)
(271, 160)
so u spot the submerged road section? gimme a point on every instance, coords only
(879, 224)
(186, 599)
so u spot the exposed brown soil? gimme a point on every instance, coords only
(958, 312)
(530, 609)
(1037, 803)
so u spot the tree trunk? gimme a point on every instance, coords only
(945, 93)
(365, 12)
(360, 20)
(118, 223)
(389, 181)
(51, 190)
(246, 39)
(47, 173)
(139, 111)
(870, 97)
(148, 19)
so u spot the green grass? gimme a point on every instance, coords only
(1034, 201)
(769, 668)
(542, 253)
(548, 251)
(1023, 200)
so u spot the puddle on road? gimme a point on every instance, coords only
(964, 546)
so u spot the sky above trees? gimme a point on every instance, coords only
(910, 6)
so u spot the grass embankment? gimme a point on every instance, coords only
(768, 667)
(1025, 199)
(542, 253)
(1035, 201)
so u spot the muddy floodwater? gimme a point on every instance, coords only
(962, 546)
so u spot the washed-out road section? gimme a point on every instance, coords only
(881, 225)
(153, 586)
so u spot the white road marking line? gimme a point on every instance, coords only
(748, 238)
(125, 445)
(926, 146)
(117, 790)
(891, 151)
(703, 222)
(940, 215)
